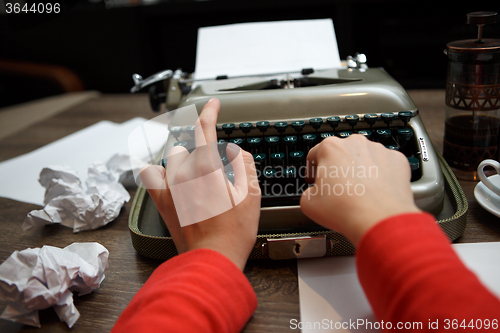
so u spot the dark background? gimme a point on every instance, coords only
(105, 45)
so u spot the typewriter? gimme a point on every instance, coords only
(279, 117)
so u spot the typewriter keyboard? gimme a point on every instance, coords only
(280, 148)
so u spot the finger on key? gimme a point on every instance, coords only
(205, 131)
(310, 162)
(312, 159)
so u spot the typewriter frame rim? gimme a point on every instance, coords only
(163, 248)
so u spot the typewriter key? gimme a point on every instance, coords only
(290, 145)
(281, 126)
(404, 135)
(246, 127)
(297, 157)
(262, 126)
(345, 134)
(316, 123)
(352, 120)
(414, 163)
(180, 143)
(254, 144)
(309, 140)
(326, 135)
(405, 116)
(278, 159)
(415, 168)
(267, 181)
(269, 173)
(388, 118)
(237, 141)
(176, 131)
(290, 181)
(290, 172)
(228, 128)
(298, 125)
(366, 133)
(272, 143)
(290, 141)
(260, 160)
(383, 135)
(333, 121)
(370, 118)
(393, 147)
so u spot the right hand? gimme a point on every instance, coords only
(357, 183)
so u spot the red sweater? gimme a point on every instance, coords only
(410, 273)
(397, 260)
(198, 291)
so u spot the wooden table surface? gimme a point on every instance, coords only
(275, 282)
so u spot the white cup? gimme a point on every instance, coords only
(480, 172)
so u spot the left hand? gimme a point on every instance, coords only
(224, 217)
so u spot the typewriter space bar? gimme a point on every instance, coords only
(280, 200)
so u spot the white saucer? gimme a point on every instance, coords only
(486, 198)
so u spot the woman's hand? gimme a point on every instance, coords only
(357, 183)
(200, 207)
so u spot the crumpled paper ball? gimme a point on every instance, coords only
(79, 207)
(39, 278)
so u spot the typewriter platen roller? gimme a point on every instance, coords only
(278, 118)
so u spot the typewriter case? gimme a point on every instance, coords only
(284, 231)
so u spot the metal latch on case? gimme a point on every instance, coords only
(295, 247)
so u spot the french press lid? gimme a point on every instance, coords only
(461, 49)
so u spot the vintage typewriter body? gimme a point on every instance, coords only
(278, 118)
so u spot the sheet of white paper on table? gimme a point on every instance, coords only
(484, 260)
(330, 293)
(329, 290)
(266, 47)
(19, 176)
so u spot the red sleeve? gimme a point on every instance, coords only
(410, 273)
(198, 291)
